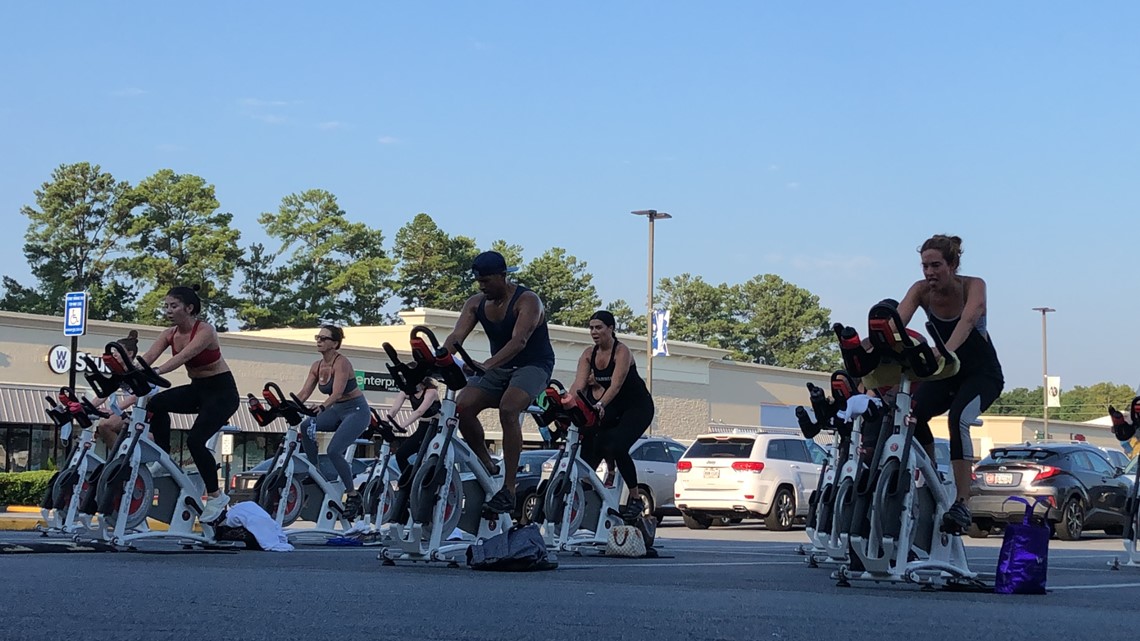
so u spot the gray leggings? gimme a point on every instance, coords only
(348, 420)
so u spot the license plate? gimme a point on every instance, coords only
(999, 478)
(712, 473)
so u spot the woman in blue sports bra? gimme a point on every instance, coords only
(344, 412)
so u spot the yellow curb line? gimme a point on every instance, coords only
(24, 524)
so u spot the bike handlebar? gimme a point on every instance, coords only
(138, 377)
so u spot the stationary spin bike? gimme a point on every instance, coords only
(448, 484)
(579, 510)
(830, 416)
(896, 532)
(125, 492)
(1124, 430)
(294, 487)
(378, 494)
(71, 486)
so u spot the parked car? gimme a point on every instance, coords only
(765, 473)
(1117, 457)
(527, 481)
(1084, 491)
(242, 484)
(656, 460)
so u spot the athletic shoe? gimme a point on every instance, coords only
(352, 507)
(214, 508)
(957, 519)
(502, 503)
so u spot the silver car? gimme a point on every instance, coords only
(656, 460)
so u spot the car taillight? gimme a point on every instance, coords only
(748, 466)
(233, 482)
(1046, 471)
(973, 476)
(684, 466)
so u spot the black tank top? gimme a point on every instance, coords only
(632, 388)
(432, 410)
(976, 354)
(537, 352)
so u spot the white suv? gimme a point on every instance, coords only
(737, 473)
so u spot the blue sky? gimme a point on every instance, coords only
(820, 142)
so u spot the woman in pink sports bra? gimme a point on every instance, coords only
(212, 393)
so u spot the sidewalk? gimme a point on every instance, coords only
(24, 518)
(20, 517)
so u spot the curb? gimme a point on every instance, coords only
(25, 524)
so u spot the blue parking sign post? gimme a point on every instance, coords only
(74, 325)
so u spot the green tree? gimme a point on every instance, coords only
(784, 325)
(261, 294)
(80, 219)
(627, 321)
(513, 254)
(700, 312)
(565, 287)
(335, 269)
(179, 238)
(1078, 404)
(433, 268)
(1019, 401)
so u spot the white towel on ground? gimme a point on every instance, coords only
(251, 516)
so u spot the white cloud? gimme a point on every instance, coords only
(793, 185)
(773, 168)
(129, 92)
(331, 125)
(387, 140)
(272, 119)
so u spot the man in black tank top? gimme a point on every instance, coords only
(519, 368)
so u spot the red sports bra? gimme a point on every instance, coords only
(204, 357)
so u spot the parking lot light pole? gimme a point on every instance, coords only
(652, 215)
(1044, 370)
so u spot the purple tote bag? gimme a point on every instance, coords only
(1024, 560)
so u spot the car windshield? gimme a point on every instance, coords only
(721, 447)
(1028, 455)
(1131, 469)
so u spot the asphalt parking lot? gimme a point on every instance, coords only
(737, 582)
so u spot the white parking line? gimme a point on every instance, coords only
(1102, 586)
(651, 564)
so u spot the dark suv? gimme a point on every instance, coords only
(1083, 490)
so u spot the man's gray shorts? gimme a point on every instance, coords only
(531, 379)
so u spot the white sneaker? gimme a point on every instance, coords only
(214, 507)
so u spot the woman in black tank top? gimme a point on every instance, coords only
(956, 306)
(425, 406)
(624, 406)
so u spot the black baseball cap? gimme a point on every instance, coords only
(490, 263)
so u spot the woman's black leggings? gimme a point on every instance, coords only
(964, 398)
(411, 445)
(214, 399)
(616, 435)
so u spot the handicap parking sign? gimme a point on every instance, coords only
(75, 314)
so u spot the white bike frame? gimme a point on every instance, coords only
(409, 541)
(567, 534)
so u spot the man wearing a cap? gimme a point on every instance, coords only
(521, 361)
